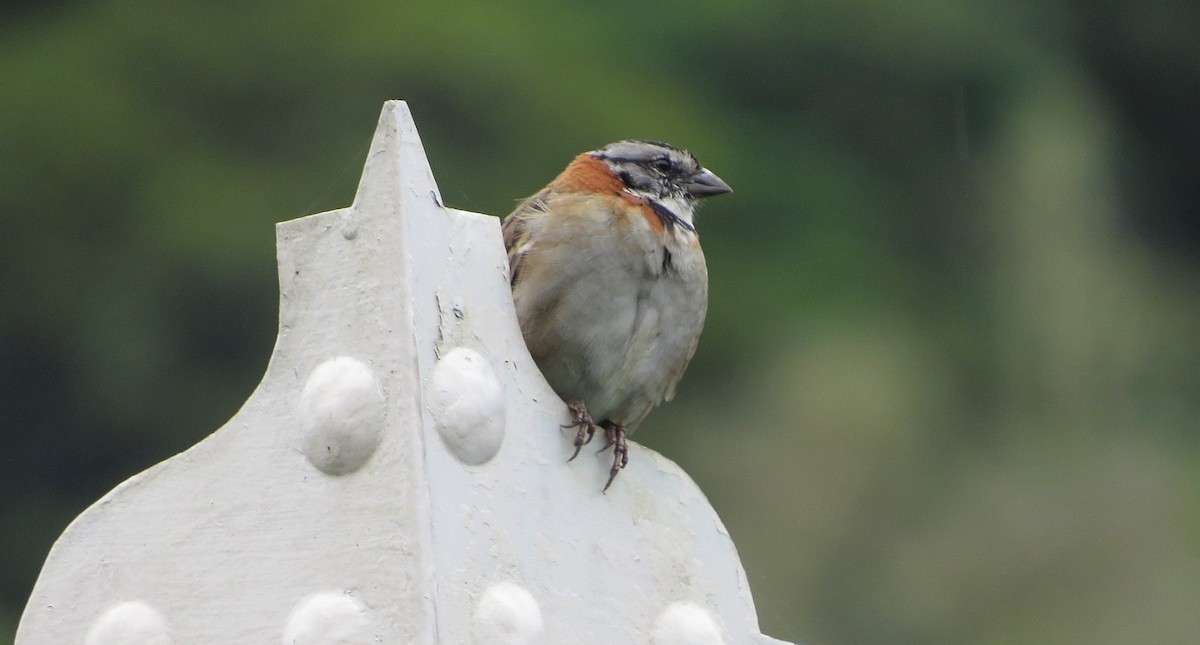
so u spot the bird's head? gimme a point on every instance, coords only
(661, 172)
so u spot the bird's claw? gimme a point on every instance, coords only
(615, 436)
(583, 421)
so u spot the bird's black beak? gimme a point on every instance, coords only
(707, 184)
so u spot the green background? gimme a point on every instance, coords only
(949, 389)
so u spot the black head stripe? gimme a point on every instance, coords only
(668, 218)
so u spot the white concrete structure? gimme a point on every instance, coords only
(399, 476)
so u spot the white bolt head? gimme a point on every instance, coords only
(683, 623)
(328, 618)
(467, 403)
(507, 615)
(341, 412)
(129, 623)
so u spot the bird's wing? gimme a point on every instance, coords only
(516, 233)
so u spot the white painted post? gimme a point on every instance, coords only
(399, 476)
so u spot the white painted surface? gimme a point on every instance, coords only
(400, 436)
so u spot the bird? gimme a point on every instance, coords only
(610, 284)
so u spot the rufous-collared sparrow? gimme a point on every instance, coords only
(610, 283)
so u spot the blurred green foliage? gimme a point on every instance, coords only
(948, 392)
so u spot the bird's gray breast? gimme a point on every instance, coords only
(654, 318)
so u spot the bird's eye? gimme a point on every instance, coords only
(662, 165)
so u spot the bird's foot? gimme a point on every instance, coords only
(583, 421)
(615, 436)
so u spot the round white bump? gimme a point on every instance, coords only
(341, 413)
(328, 618)
(129, 623)
(683, 623)
(467, 403)
(507, 615)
